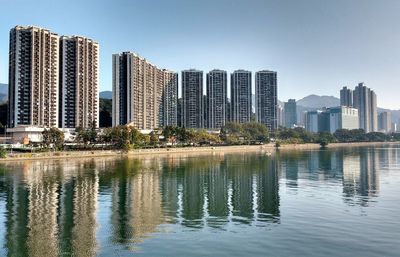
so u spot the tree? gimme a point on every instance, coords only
(232, 133)
(325, 138)
(154, 140)
(53, 137)
(170, 133)
(255, 131)
(3, 152)
(87, 136)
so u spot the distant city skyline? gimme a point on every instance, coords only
(316, 47)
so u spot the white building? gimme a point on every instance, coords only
(343, 117)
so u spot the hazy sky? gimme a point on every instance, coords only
(316, 46)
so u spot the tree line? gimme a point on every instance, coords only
(127, 138)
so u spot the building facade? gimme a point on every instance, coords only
(79, 81)
(343, 117)
(33, 77)
(346, 97)
(385, 122)
(216, 102)
(364, 99)
(312, 121)
(144, 96)
(241, 109)
(290, 110)
(266, 99)
(169, 110)
(332, 119)
(192, 99)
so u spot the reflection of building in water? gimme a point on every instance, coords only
(136, 201)
(39, 207)
(242, 195)
(268, 191)
(212, 191)
(217, 195)
(360, 176)
(193, 193)
(290, 166)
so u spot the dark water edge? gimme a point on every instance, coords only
(333, 202)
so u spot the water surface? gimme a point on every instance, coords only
(343, 202)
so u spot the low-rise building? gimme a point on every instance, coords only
(332, 119)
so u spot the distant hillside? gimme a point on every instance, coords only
(3, 92)
(3, 88)
(106, 94)
(316, 101)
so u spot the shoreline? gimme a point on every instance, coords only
(182, 150)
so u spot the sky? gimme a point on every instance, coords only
(316, 46)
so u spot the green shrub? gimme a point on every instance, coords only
(3, 152)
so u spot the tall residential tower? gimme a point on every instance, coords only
(192, 99)
(266, 99)
(216, 99)
(144, 96)
(346, 97)
(364, 99)
(33, 77)
(290, 110)
(79, 82)
(241, 96)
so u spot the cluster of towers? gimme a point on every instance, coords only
(147, 97)
(53, 80)
(363, 99)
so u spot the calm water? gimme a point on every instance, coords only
(305, 203)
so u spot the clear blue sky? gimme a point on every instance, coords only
(317, 46)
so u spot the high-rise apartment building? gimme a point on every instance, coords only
(33, 77)
(290, 110)
(169, 110)
(364, 99)
(144, 96)
(280, 116)
(241, 96)
(192, 99)
(216, 99)
(346, 97)
(79, 82)
(266, 100)
(385, 122)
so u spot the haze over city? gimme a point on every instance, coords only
(315, 46)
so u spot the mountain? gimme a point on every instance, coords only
(316, 101)
(106, 94)
(3, 88)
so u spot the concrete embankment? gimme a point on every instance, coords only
(181, 150)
